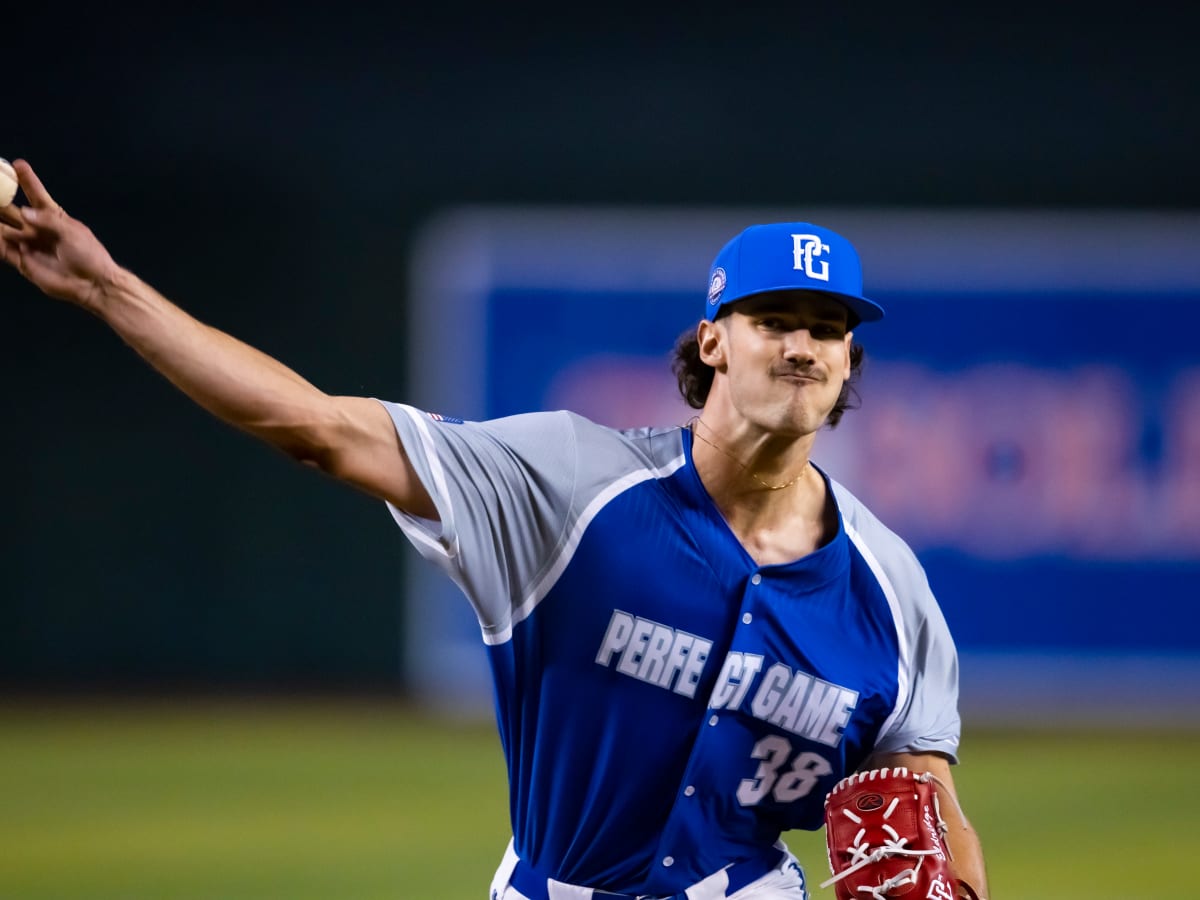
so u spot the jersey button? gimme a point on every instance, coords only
(747, 619)
(713, 721)
(668, 861)
(689, 790)
(756, 578)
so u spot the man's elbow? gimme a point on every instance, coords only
(317, 446)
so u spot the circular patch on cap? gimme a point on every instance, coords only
(869, 802)
(716, 287)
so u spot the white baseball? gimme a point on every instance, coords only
(8, 183)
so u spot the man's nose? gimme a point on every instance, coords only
(800, 346)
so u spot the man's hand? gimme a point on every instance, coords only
(351, 438)
(58, 254)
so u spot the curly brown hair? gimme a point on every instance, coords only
(695, 376)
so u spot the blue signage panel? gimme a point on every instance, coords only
(1029, 420)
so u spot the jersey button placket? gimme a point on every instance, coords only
(755, 581)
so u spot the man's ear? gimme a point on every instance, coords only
(710, 338)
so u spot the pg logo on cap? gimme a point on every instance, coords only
(716, 287)
(805, 248)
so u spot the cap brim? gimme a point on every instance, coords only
(861, 309)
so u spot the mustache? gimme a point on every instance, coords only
(798, 370)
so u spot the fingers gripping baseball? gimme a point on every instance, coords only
(55, 252)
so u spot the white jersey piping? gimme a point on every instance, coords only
(567, 552)
(904, 663)
(410, 524)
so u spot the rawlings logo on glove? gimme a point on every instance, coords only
(887, 839)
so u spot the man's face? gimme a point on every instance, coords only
(783, 358)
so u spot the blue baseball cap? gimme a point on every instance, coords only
(789, 256)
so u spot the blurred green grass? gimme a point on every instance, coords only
(198, 800)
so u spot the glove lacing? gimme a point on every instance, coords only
(862, 855)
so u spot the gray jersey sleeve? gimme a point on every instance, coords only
(513, 496)
(926, 716)
(503, 491)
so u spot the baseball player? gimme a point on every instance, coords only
(694, 633)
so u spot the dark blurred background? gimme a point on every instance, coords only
(267, 167)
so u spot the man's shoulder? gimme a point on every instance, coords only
(578, 422)
(649, 447)
(873, 537)
(856, 513)
(654, 447)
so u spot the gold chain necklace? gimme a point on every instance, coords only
(691, 426)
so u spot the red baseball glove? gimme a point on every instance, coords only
(887, 839)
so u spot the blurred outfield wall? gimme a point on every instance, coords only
(1030, 419)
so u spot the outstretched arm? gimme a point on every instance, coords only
(351, 438)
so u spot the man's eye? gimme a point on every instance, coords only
(828, 331)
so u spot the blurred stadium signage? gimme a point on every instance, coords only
(1030, 416)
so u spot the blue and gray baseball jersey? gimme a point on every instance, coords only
(666, 705)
